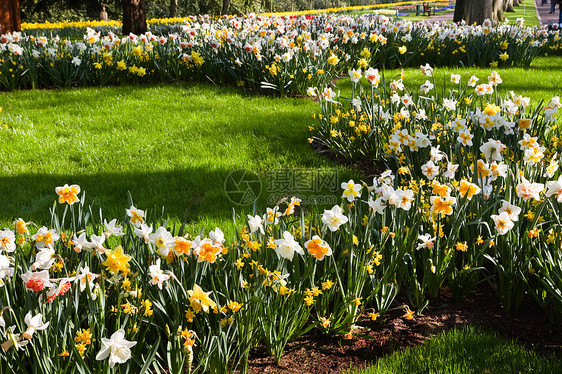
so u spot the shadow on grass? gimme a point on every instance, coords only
(178, 146)
(191, 193)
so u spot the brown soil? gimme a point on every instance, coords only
(318, 354)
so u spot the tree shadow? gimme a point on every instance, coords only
(269, 132)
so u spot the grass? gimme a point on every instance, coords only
(526, 10)
(465, 351)
(168, 145)
(541, 81)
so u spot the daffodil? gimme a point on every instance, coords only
(112, 228)
(426, 241)
(37, 281)
(157, 276)
(85, 278)
(318, 248)
(554, 188)
(503, 223)
(528, 190)
(334, 218)
(117, 348)
(287, 246)
(33, 324)
(117, 261)
(137, 215)
(442, 204)
(468, 189)
(45, 238)
(162, 240)
(255, 223)
(350, 190)
(68, 194)
(7, 241)
(200, 300)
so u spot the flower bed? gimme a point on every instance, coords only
(477, 173)
(285, 54)
(474, 197)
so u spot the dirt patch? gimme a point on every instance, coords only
(316, 354)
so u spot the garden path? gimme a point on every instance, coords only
(542, 10)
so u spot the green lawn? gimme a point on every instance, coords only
(526, 10)
(169, 145)
(465, 351)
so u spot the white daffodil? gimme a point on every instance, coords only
(528, 190)
(404, 199)
(255, 223)
(272, 215)
(79, 242)
(334, 218)
(426, 241)
(44, 259)
(13, 340)
(472, 81)
(117, 348)
(377, 205)
(554, 188)
(143, 231)
(287, 246)
(492, 150)
(86, 278)
(137, 215)
(426, 87)
(7, 241)
(162, 240)
(355, 75)
(513, 211)
(157, 276)
(6, 269)
(37, 281)
(373, 76)
(350, 190)
(217, 237)
(450, 104)
(33, 324)
(45, 238)
(96, 243)
(503, 223)
(426, 70)
(430, 170)
(112, 228)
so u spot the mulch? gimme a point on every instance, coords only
(317, 354)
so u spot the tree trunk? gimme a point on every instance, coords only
(134, 17)
(204, 7)
(476, 11)
(508, 6)
(9, 16)
(516, 2)
(497, 10)
(103, 14)
(225, 6)
(173, 8)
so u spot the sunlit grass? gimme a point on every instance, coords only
(170, 146)
(465, 351)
